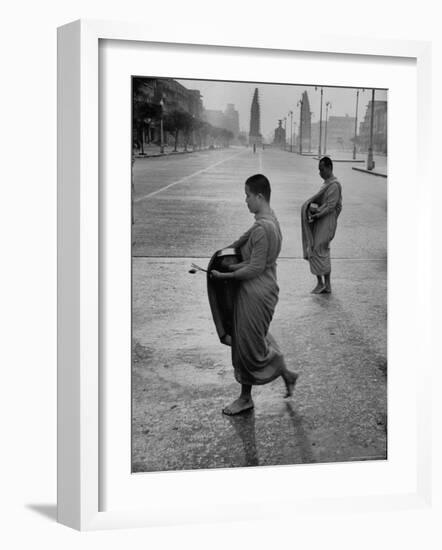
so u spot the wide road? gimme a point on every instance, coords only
(185, 208)
(191, 205)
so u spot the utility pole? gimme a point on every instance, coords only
(299, 104)
(285, 132)
(356, 124)
(291, 131)
(327, 106)
(370, 161)
(161, 127)
(320, 124)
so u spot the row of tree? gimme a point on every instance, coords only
(177, 123)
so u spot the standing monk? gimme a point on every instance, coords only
(319, 218)
(256, 356)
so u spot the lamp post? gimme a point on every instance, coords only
(299, 104)
(328, 106)
(370, 161)
(320, 123)
(291, 131)
(285, 131)
(161, 128)
(356, 122)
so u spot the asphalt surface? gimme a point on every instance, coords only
(185, 208)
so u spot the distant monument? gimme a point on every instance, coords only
(279, 138)
(255, 137)
(305, 126)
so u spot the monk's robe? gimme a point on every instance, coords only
(256, 357)
(317, 235)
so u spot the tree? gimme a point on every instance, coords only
(143, 112)
(200, 129)
(226, 137)
(178, 121)
(214, 133)
(203, 131)
(189, 126)
(242, 138)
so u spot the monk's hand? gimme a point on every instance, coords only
(219, 275)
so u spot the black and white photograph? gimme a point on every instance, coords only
(220, 301)
(220, 282)
(259, 274)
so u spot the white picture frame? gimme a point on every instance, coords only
(79, 277)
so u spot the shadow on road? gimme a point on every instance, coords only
(301, 438)
(244, 426)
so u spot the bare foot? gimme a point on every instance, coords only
(290, 383)
(319, 288)
(239, 406)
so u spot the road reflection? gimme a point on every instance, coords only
(301, 439)
(244, 426)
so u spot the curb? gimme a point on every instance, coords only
(342, 160)
(164, 154)
(369, 172)
(173, 153)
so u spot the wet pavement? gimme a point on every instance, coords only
(182, 375)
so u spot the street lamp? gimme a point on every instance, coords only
(370, 161)
(327, 106)
(161, 127)
(285, 131)
(291, 131)
(299, 104)
(356, 122)
(320, 124)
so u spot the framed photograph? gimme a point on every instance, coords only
(183, 377)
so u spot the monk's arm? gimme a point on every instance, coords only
(332, 199)
(239, 265)
(258, 258)
(257, 262)
(242, 240)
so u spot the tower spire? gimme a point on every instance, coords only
(255, 137)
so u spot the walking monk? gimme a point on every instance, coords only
(256, 356)
(319, 218)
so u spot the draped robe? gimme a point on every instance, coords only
(317, 235)
(256, 356)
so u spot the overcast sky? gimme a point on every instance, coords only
(277, 100)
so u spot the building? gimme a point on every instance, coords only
(231, 117)
(228, 119)
(173, 95)
(339, 133)
(380, 134)
(196, 107)
(214, 117)
(162, 96)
